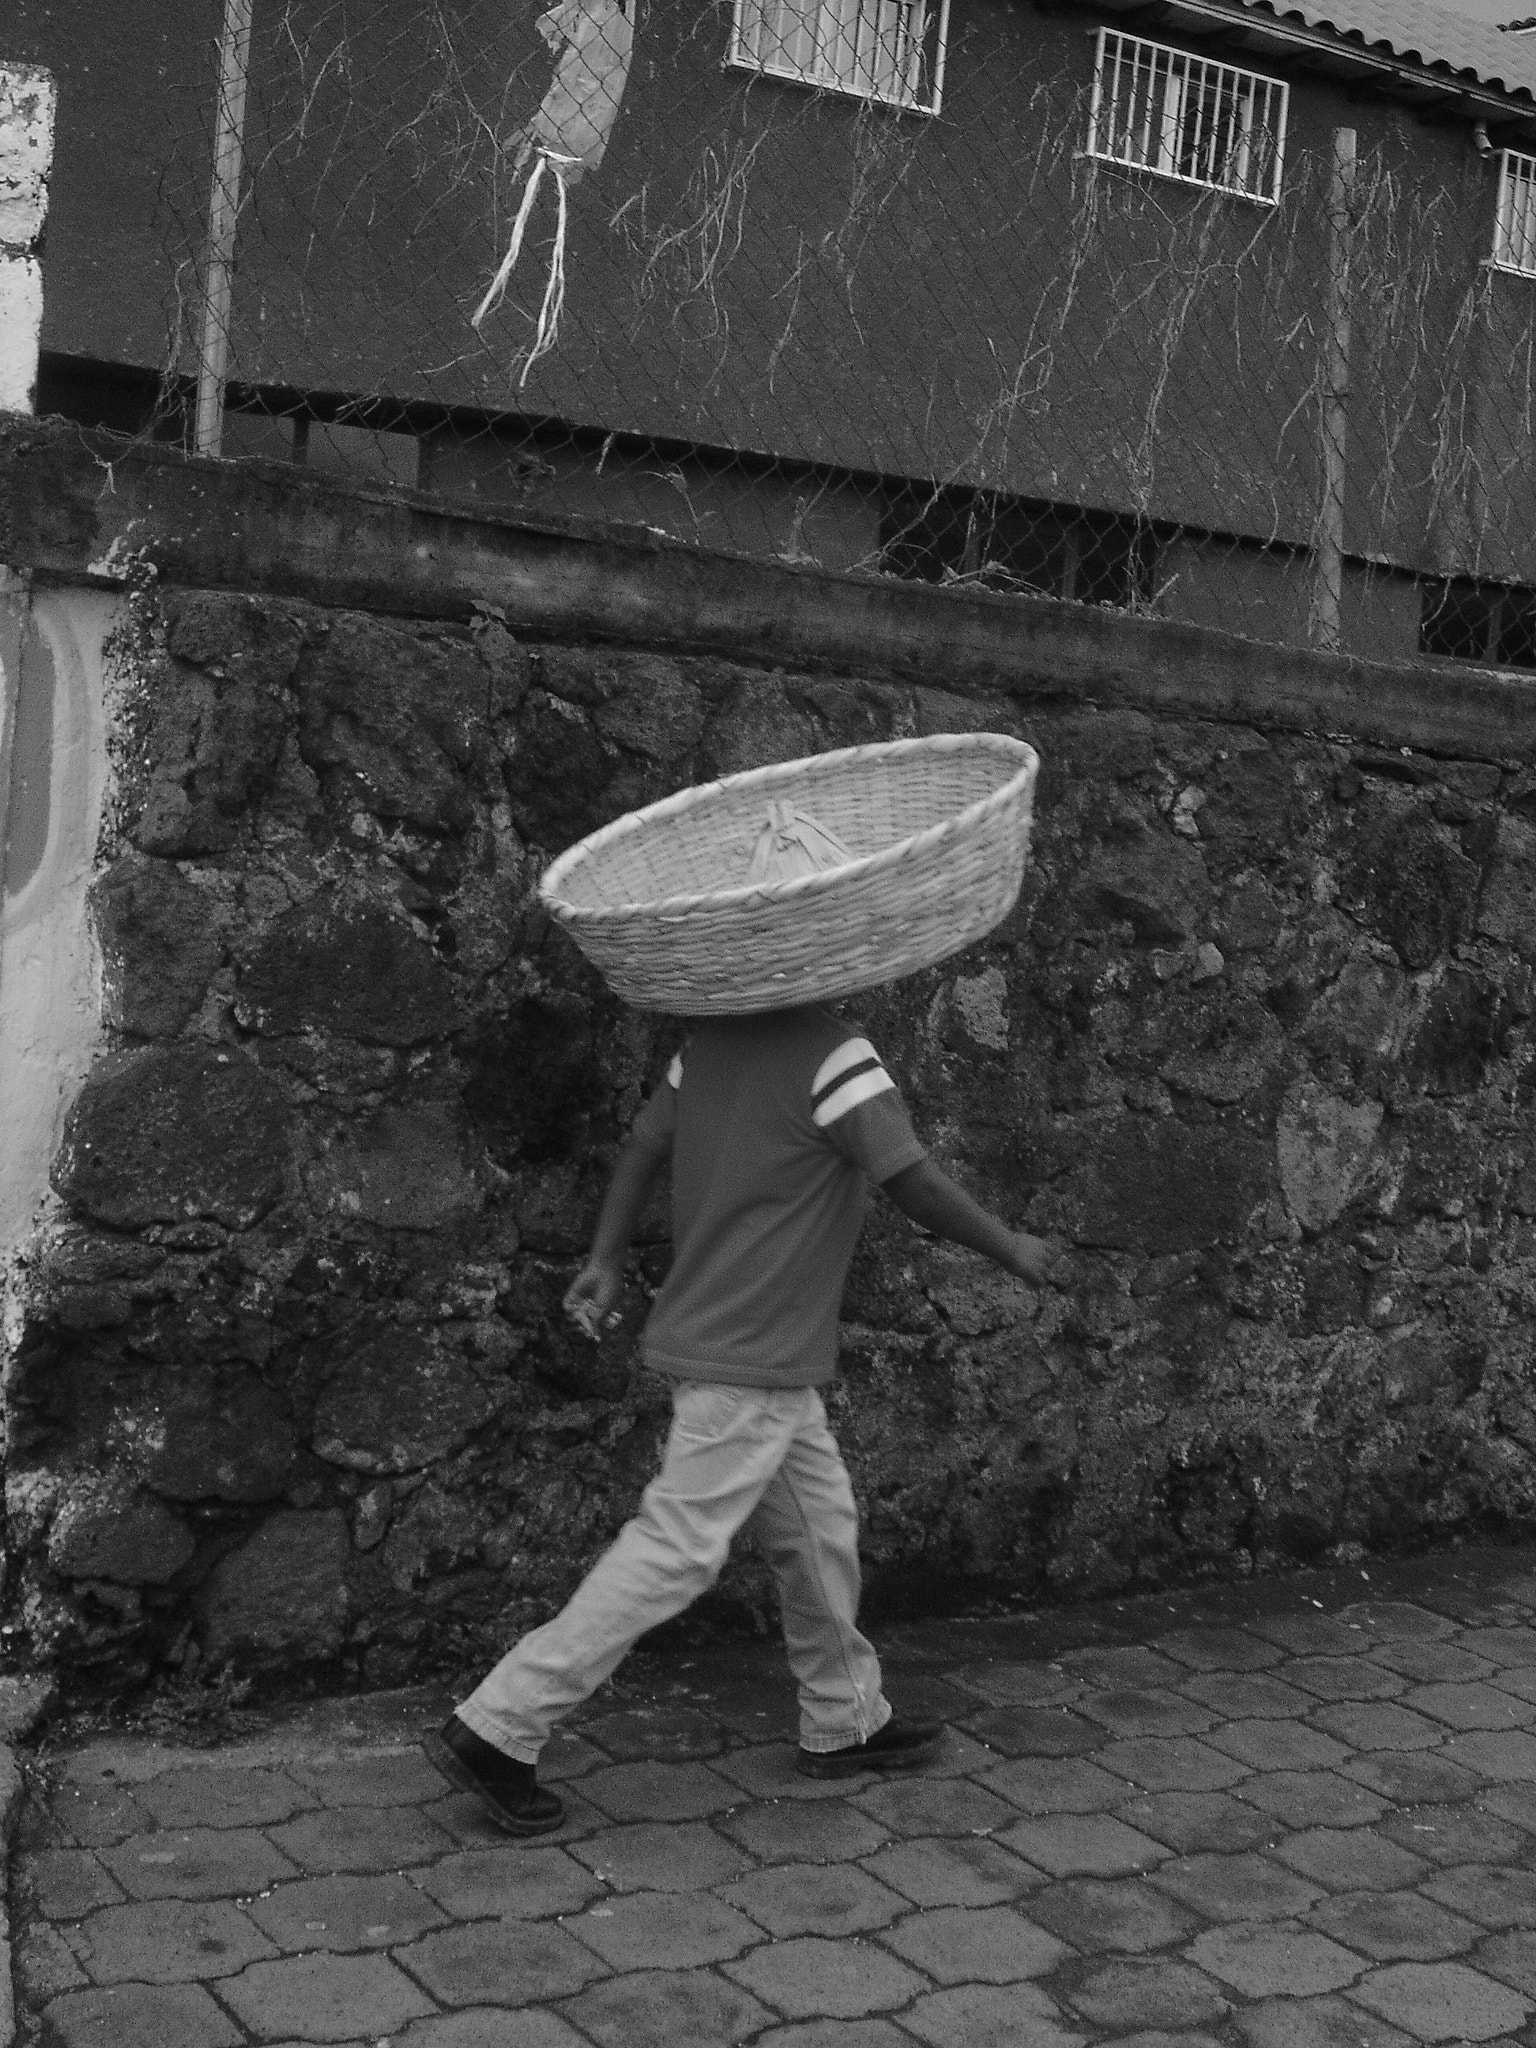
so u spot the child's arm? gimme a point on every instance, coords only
(601, 1280)
(928, 1195)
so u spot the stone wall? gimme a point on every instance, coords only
(287, 1381)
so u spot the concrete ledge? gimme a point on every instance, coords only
(81, 507)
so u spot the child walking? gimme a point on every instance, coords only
(775, 1126)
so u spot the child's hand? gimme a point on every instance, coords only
(590, 1298)
(1034, 1260)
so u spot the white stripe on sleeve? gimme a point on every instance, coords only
(675, 1071)
(850, 1095)
(851, 1053)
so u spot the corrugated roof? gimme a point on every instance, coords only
(1417, 32)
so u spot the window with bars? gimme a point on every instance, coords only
(1514, 227)
(1487, 622)
(1160, 109)
(887, 50)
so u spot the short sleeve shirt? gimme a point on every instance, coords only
(776, 1125)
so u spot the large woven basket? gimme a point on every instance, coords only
(937, 830)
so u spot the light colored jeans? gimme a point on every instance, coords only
(762, 1455)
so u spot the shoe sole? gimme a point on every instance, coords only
(458, 1774)
(835, 1763)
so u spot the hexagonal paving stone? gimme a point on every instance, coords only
(1443, 2001)
(323, 1997)
(932, 1806)
(1349, 1859)
(1510, 1957)
(396, 1777)
(1177, 1763)
(1342, 1678)
(1152, 1711)
(804, 1834)
(139, 2016)
(1128, 1995)
(1236, 1887)
(486, 2026)
(344, 1913)
(963, 1871)
(1316, 2023)
(1456, 1834)
(1395, 1926)
(817, 1898)
(1497, 1896)
(1305, 1799)
(1427, 1778)
(660, 1734)
(1056, 1785)
(208, 1796)
(1019, 1685)
(202, 1863)
(1395, 1621)
(768, 1770)
(1501, 1645)
(1503, 1757)
(663, 1930)
(361, 1838)
(92, 1814)
(1427, 1662)
(666, 2009)
(1282, 1956)
(1218, 1649)
(976, 1945)
(64, 1884)
(1248, 1696)
(1123, 1916)
(1035, 1731)
(1308, 1635)
(167, 1941)
(991, 2016)
(1131, 1666)
(1469, 1705)
(1199, 1822)
(652, 1791)
(1082, 1845)
(1278, 1746)
(1377, 1724)
(657, 1856)
(501, 1962)
(814, 1978)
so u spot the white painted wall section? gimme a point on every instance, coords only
(53, 688)
(27, 104)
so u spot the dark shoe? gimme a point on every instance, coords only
(898, 1746)
(509, 1791)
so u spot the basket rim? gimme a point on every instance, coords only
(678, 908)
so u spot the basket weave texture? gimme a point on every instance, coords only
(938, 831)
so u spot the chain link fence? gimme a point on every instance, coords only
(966, 294)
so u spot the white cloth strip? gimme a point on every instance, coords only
(851, 1053)
(675, 1071)
(850, 1095)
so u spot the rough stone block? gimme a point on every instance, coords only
(663, 1931)
(400, 1402)
(103, 1532)
(282, 1594)
(139, 2016)
(340, 1913)
(228, 1438)
(976, 1945)
(159, 945)
(662, 2008)
(350, 968)
(174, 1132)
(403, 1168)
(324, 1997)
(167, 1941)
(811, 1978)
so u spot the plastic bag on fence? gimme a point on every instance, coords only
(592, 41)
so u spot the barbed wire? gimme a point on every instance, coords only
(830, 324)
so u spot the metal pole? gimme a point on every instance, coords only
(223, 217)
(1328, 554)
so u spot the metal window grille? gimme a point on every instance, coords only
(1160, 109)
(1514, 229)
(886, 50)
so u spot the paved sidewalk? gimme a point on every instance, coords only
(1300, 1814)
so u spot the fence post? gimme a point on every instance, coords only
(26, 155)
(223, 218)
(1328, 551)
